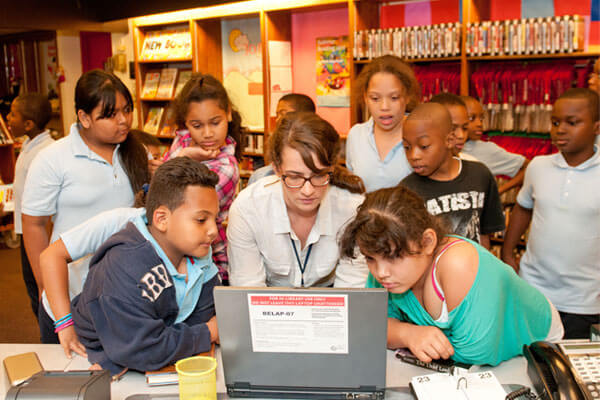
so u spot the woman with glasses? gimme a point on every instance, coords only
(283, 229)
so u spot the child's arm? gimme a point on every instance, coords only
(516, 180)
(427, 343)
(75, 243)
(154, 344)
(520, 218)
(484, 240)
(53, 262)
(492, 218)
(35, 239)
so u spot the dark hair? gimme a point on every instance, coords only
(300, 102)
(448, 99)
(172, 178)
(35, 107)
(145, 138)
(392, 65)
(310, 134)
(465, 99)
(390, 223)
(202, 87)
(97, 87)
(592, 98)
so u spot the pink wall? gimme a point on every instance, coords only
(306, 28)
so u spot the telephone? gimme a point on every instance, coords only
(568, 371)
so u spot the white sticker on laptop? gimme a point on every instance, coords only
(308, 323)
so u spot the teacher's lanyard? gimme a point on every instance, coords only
(300, 265)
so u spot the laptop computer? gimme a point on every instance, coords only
(321, 343)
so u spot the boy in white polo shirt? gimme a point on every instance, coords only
(560, 199)
(497, 159)
(29, 114)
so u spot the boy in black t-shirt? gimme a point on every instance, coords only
(464, 192)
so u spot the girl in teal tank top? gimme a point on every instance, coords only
(448, 296)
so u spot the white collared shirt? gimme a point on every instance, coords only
(259, 240)
(362, 158)
(562, 258)
(30, 148)
(72, 183)
(496, 158)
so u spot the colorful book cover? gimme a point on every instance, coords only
(333, 76)
(166, 85)
(7, 197)
(153, 120)
(150, 85)
(184, 76)
(169, 126)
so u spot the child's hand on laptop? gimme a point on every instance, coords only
(429, 343)
(213, 329)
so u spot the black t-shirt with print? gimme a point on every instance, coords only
(470, 202)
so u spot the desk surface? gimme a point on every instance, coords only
(398, 373)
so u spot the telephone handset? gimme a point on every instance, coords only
(552, 374)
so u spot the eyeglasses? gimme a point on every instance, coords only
(298, 181)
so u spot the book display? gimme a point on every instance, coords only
(150, 85)
(447, 42)
(163, 65)
(166, 85)
(153, 120)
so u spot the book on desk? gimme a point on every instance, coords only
(168, 375)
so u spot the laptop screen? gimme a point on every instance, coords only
(297, 339)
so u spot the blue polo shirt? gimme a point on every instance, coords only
(362, 158)
(562, 258)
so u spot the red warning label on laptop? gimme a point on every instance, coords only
(322, 301)
(299, 323)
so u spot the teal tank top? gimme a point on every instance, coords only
(500, 313)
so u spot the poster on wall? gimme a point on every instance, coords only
(333, 76)
(242, 68)
(280, 72)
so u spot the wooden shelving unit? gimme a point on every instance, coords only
(276, 20)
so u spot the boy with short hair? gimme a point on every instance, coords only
(292, 102)
(464, 192)
(497, 159)
(560, 199)
(460, 119)
(148, 298)
(29, 115)
(150, 142)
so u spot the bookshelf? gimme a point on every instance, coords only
(163, 57)
(276, 20)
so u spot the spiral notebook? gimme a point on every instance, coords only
(458, 386)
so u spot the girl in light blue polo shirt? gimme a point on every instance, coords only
(97, 167)
(386, 87)
(447, 295)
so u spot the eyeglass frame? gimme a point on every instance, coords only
(309, 179)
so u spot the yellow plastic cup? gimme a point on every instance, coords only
(197, 378)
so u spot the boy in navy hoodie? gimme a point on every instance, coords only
(148, 298)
